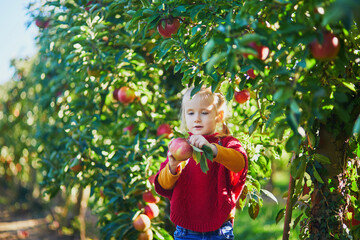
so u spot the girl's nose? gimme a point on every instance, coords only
(197, 118)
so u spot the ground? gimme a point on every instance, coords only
(24, 224)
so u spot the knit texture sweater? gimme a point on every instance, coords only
(203, 202)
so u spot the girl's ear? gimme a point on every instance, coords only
(220, 116)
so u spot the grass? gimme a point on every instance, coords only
(265, 226)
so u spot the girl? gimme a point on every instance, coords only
(202, 206)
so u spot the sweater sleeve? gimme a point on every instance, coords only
(230, 158)
(166, 179)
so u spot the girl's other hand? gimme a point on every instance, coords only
(199, 141)
(173, 163)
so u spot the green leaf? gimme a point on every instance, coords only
(317, 175)
(321, 158)
(270, 195)
(195, 11)
(145, 3)
(297, 220)
(216, 59)
(254, 209)
(356, 129)
(177, 67)
(230, 93)
(280, 215)
(203, 164)
(298, 166)
(208, 152)
(196, 156)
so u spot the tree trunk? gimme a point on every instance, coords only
(327, 206)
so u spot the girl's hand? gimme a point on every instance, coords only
(199, 141)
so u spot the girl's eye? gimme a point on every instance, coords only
(190, 113)
(205, 113)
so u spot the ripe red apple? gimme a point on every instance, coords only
(142, 223)
(180, 149)
(251, 73)
(128, 129)
(242, 96)
(42, 22)
(306, 190)
(126, 95)
(151, 210)
(262, 51)
(75, 165)
(152, 179)
(326, 50)
(115, 94)
(150, 198)
(354, 222)
(167, 27)
(164, 129)
(102, 194)
(147, 235)
(89, 5)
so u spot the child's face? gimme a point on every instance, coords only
(200, 116)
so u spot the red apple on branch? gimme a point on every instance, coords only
(251, 73)
(126, 95)
(328, 49)
(262, 51)
(147, 235)
(180, 149)
(167, 27)
(115, 94)
(142, 223)
(151, 210)
(42, 22)
(75, 165)
(128, 129)
(354, 222)
(149, 197)
(164, 129)
(242, 96)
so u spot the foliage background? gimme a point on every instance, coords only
(60, 103)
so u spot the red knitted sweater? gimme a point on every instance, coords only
(202, 202)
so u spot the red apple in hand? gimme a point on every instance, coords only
(326, 50)
(164, 129)
(167, 27)
(262, 51)
(242, 96)
(126, 95)
(151, 210)
(180, 149)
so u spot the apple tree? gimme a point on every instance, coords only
(291, 66)
(301, 60)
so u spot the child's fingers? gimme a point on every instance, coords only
(198, 141)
